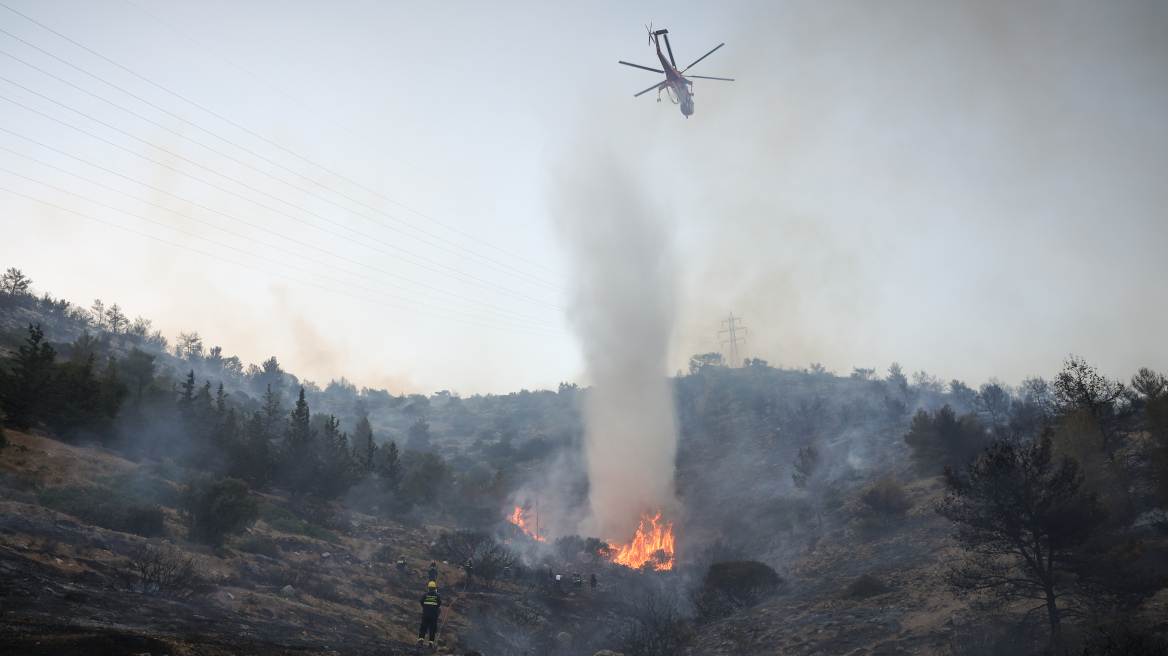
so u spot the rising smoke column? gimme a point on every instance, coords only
(623, 313)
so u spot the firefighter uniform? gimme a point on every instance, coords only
(576, 580)
(433, 571)
(431, 603)
(401, 563)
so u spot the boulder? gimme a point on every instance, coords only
(287, 591)
(564, 639)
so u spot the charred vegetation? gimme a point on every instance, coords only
(821, 513)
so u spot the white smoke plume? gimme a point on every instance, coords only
(623, 313)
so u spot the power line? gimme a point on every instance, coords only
(251, 225)
(233, 218)
(507, 327)
(264, 139)
(485, 284)
(733, 325)
(362, 138)
(515, 271)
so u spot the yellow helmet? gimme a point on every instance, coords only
(433, 584)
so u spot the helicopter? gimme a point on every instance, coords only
(676, 84)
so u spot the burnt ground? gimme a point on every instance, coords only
(66, 587)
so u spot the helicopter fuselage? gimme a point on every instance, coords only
(674, 79)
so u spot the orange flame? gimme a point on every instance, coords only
(516, 518)
(655, 545)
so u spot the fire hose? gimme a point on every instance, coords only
(446, 612)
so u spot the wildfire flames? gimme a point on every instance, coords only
(516, 518)
(655, 544)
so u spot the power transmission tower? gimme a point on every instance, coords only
(733, 327)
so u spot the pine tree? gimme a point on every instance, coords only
(364, 447)
(391, 469)
(24, 389)
(418, 436)
(337, 467)
(300, 461)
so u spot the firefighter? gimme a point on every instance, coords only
(433, 571)
(507, 572)
(469, 569)
(592, 582)
(576, 580)
(401, 563)
(431, 603)
(518, 573)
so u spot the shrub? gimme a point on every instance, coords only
(214, 508)
(299, 527)
(20, 482)
(783, 514)
(885, 500)
(733, 585)
(942, 438)
(166, 469)
(296, 576)
(263, 545)
(457, 546)
(166, 571)
(386, 554)
(864, 586)
(270, 513)
(145, 486)
(115, 509)
(284, 521)
(655, 627)
(493, 556)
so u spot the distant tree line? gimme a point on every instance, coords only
(123, 404)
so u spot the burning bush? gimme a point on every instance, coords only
(652, 547)
(734, 585)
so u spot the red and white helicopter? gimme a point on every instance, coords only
(676, 84)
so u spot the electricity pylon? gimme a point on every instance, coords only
(733, 327)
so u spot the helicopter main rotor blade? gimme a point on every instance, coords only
(650, 88)
(724, 79)
(639, 66)
(665, 33)
(702, 57)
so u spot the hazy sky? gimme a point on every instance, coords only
(365, 188)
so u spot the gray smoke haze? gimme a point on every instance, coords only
(883, 168)
(623, 313)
